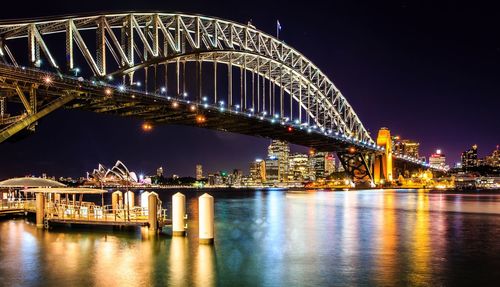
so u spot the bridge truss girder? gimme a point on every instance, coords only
(129, 42)
(359, 166)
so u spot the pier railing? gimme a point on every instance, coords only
(94, 213)
(17, 204)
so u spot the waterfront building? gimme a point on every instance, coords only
(493, 160)
(469, 158)
(280, 150)
(329, 163)
(298, 167)
(321, 165)
(215, 179)
(258, 171)
(117, 175)
(235, 177)
(437, 159)
(199, 172)
(272, 169)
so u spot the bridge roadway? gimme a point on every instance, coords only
(100, 97)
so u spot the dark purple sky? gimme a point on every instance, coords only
(429, 72)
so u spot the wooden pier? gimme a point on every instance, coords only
(60, 206)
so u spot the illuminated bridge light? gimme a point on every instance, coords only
(192, 108)
(200, 119)
(175, 104)
(163, 89)
(108, 91)
(147, 127)
(121, 88)
(185, 94)
(47, 80)
(110, 77)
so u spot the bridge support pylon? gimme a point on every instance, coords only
(359, 166)
(382, 170)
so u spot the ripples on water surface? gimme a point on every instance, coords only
(274, 238)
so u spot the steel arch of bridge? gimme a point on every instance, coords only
(291, 87)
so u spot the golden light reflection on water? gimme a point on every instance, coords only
(383, 238)
(178, 260)
(205, 266)
(388, 239)
(420, 242)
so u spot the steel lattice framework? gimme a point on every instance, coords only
(275, 79)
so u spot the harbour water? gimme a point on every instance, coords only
(276, 238)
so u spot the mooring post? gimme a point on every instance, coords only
(178, 214)
(40, 209)
(206, 220)
(153, 212)
(116, 197)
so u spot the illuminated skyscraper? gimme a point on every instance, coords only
(272, 169)
(280, 150)
(469, 158)
(258, 171)
(406, 147)
(298, 167)
(322, 164)
(437, 159)
(329, 163)
(199, 172)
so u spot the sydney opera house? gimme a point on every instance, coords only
(119, 174)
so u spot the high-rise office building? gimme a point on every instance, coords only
(406, 147)
(280, 150)
(317, 163)
(298, 167)
(469, 158)
(437, 160)
(272, 169)
(329, 163)
(258, 171)
(199, 172)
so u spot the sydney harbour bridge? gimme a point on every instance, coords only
(168, 68)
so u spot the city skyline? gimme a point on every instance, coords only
(405, 86)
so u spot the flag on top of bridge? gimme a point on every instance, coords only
(278, 28)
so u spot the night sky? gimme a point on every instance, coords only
(430, 72)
